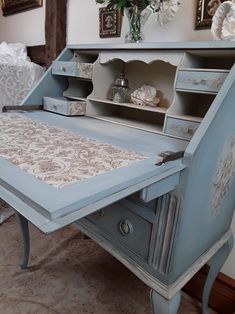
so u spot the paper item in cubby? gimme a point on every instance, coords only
(145, 96)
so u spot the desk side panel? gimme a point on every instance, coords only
(207, 186)
(49, 85)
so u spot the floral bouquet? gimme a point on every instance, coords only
(155, 5)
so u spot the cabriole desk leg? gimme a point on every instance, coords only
(24, 226)
(216, 263)
(160, 305)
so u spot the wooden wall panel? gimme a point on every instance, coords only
(55, 33)
(55, 28)
(37, 54)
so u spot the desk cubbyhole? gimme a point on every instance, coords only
(140, 119)
(85, 57)
(191, 106)
(158, 73)
(216, 59)
(78, 89)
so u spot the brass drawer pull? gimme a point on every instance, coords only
(125, 227)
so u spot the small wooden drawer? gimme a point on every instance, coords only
(85, 70)
(159, 188)
(64, 68)
(201, 81)
(120, 224)
(64, 106)
(181, 128)
(71, 68)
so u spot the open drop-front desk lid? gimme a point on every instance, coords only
(55, 170)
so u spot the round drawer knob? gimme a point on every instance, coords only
(125, 227)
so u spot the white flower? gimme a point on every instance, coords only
(223, 22)
(167, 11)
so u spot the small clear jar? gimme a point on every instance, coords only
(120, 90)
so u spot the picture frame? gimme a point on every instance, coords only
(205, 12)
(109, 23)
(15, 6)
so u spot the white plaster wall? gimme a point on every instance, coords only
(26, 27)
(83, 27)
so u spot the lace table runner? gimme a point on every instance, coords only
(56, 156)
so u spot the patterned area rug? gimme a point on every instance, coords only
(68, 275)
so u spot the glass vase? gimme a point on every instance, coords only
(137, 19)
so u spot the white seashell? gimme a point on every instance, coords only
(167, 10)
(145, 96)
(223, 22)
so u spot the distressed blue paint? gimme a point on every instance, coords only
(198, 223)
(180, 224)
(216, 263)
(161, 305)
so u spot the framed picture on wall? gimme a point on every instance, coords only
(205, 11)
(110, 23)
(15, 6)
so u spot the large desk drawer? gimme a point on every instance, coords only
(122, 225)
(201, 81)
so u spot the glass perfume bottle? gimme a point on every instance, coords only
(120, 90)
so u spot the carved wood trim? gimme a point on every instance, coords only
(222, 298)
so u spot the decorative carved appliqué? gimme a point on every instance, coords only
(223, 176)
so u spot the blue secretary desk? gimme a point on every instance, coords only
(166, 209)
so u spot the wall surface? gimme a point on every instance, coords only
(82, 30)
(26, 27)
(83, 27)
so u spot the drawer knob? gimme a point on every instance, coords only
(125, 227)
(191, 131)
(200, 81)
